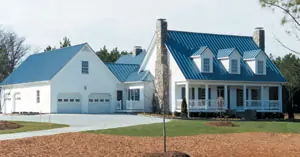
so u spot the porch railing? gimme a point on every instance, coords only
(119, 105)
(262, 105)
(134, 105)
(201, 105)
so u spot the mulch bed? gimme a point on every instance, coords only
(167, 154)
(214, 145)
(5, 125)
(222, 124)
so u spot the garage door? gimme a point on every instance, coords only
(69, 103)
(99, 103)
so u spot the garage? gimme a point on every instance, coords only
(99, 103)
(69, 103)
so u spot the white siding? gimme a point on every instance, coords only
(150, 64)
(175, 75)
(252, 65)
(28, 95)
(198, 62)
(225, 63)
(207, 54)
(70, 79)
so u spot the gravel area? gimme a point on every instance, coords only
(222, 145)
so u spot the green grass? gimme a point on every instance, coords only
(195, 127)
(32, 126)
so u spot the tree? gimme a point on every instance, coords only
(111, 56)
(183, 108)
(103, 54)
(49, 48)
(65, 43)
(289, 66)
(291, 17)
(13, 49)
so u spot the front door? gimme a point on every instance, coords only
(120, 98)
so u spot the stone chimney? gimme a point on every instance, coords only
(162, 66)
(259, 37)
(137, 50)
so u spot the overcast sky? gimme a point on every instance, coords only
(126, 23)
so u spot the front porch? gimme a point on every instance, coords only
(217, 97)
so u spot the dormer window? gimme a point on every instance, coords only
(256, 60)
(203, 59)
(206, 65)
(260, 67)
(230, 58)
(234, 66)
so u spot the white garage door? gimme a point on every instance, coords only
(99, 103)
(69, 103)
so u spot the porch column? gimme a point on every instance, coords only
(280, 97)
(187, 98)
(206, 96)
(244, 96)
(226, 96)
(262, 96)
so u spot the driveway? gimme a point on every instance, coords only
(77, 122)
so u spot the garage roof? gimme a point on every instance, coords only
(42, 66)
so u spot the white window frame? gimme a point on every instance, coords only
(209, 65)
(134, 94)
(85, 67)
(237, 66)
(262, 68)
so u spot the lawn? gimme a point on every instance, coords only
(195, 127)
(32, 126)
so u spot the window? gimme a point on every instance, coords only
(255, 94)
(106, 100)
(77, 100)
(66, 100)
(37, 96)
(193, 93)
(182, 92)
(260, 67)
(234, 66)
(101, 100)
(220, 91)
(59, 100)
(96, 100)
(71, 100)
(239, 95)
(90, 100)
(134, 94)
(201, 93)
(84, 67)
(206, 65)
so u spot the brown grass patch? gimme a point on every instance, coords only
(216, 145)
(5, 125)
(222, 124)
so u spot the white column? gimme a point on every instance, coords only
(280, 97)
(187, 98)
(226, 96)
(206, 96)
(244, 96)
(262, 96)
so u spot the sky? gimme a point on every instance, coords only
(124, 24)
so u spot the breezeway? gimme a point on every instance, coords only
(77, 122)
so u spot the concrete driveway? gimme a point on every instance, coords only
(77, 122)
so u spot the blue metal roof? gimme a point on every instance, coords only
(225, 52)
(199, 51)
(42, 66)
(122, 71)
(138, 76)
(130, 59)
(183, 44)
(251, 54)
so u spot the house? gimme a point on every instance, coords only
(67, 80)
(213, 72)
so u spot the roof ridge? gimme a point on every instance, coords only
(59, 49)
(217, 34)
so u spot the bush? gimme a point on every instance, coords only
(183, 108)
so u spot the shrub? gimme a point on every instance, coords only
(183, 108)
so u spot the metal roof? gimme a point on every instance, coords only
(251, 54)
(225, 52)
(199, 51)
(130, 59)
(42, 66)
(183, 44)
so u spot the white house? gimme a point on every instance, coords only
(220, 72)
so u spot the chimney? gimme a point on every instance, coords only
(162, 65)
(259, 37)
(136, 50)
